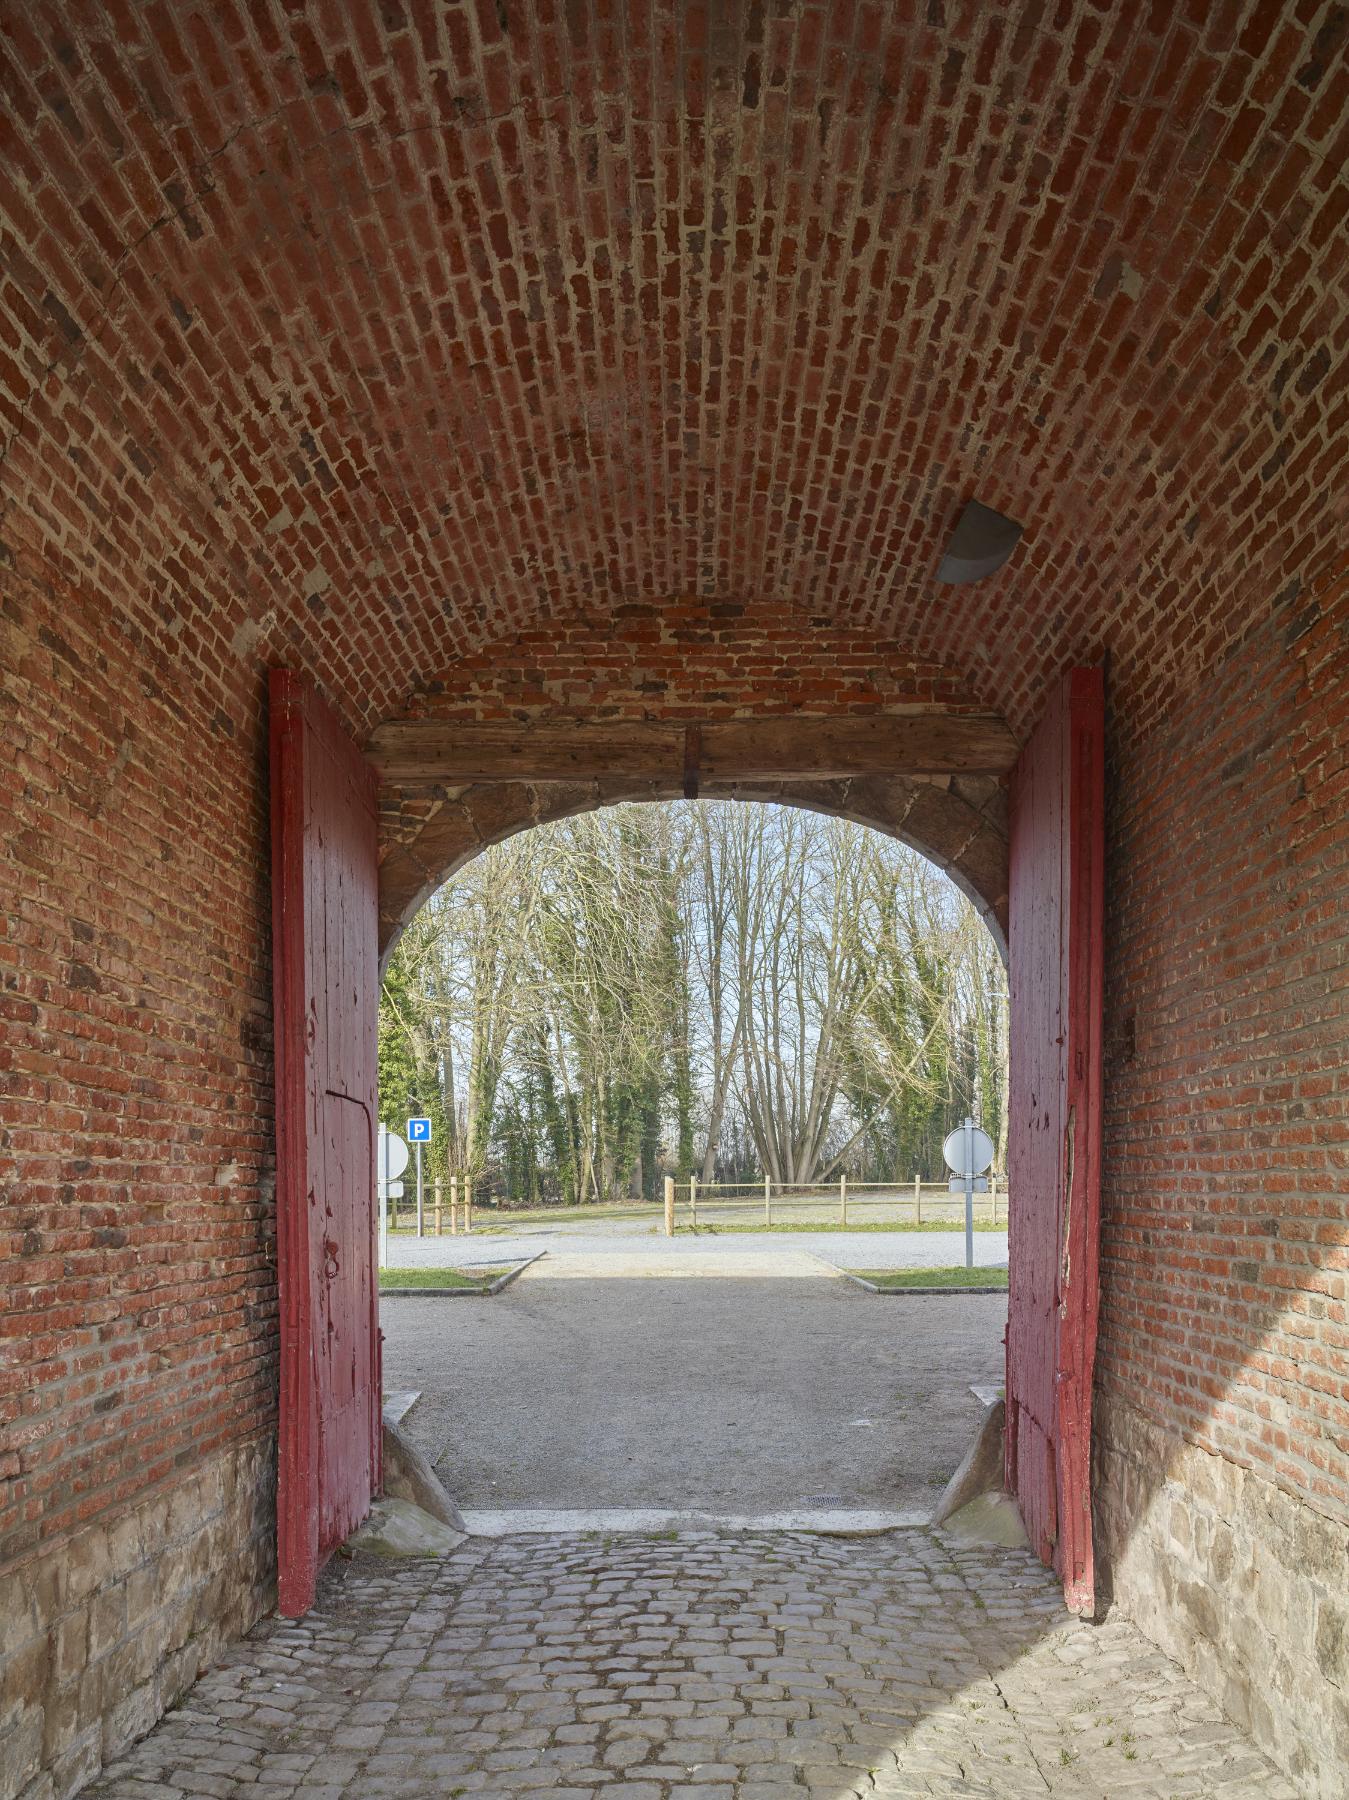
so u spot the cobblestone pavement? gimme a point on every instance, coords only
(702, 1667)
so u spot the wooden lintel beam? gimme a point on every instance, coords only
(935, 743)
(453, 751)
(763, 749)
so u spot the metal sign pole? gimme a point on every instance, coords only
(969, 1193)
(419, 1187)
(384, 1202)
(967, 1152)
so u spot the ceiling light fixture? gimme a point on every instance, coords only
(980, 544)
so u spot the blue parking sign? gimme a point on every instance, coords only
(419, 1131)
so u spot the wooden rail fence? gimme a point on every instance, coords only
(771, 1203)
(844, 1201)
(435, 1208)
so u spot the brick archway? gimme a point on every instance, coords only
(382, 342)
(779, 683)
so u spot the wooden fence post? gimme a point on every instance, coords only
(436, 1189)
(693, 1198)
(454, 1206)
(768, 1199)
(917, 1199)
(992, 1198)
(468, 1204)
(843, 1199)
(669, 1206)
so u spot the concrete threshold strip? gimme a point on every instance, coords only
(416, 1513)
(613, 1521)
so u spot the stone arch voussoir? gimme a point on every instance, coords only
(958, 821)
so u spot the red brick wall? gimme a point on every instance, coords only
(1224, 1261)
(376, 329)
(137, 1312)
(693, 657)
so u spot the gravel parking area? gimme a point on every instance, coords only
(581, 1388)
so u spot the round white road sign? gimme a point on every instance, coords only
(954, 1151)
(391, 1156)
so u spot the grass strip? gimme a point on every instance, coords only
(961, 1277)
(437, 1278)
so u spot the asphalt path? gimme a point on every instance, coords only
(640, 1243)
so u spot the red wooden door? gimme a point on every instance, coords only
(326, 987)
(1054, 1124)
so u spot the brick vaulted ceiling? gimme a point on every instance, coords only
(375, 331)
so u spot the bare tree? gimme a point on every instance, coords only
(799, 901)
(601, 954)
(816, 995)
(709, 905)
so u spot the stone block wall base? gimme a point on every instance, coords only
(1245, 1585)
(102, 1633)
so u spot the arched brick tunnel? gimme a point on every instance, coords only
(505, 366)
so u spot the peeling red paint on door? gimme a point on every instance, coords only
(1054, 1124)
(326, 987)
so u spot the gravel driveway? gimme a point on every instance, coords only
(583, 1387)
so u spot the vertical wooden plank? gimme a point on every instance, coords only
(1079, 1278)
(326, 994)
(297, 1488)
(1055, 941)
